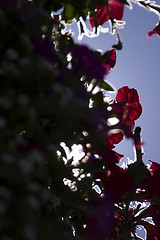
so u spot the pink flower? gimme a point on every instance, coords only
(155, 30)
(110, 60)
(102, 14)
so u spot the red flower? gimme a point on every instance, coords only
(114, 138)
(125, 124)
(133, 109)
(110, 158)
(102, 14)
(155, 213)
(118, 180)
(152, 211)
(154, 167)
(110, 60)
(156, 30)
(153, 188)
(56, 16)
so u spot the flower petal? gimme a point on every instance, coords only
(155, 30)
(115, 138)
(119, 181)
(110, 61)
(134, 111)
(154, 166)
(102, 14)
(116, 9)
(122, 94)
(152, 188)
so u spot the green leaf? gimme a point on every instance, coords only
(70, 21)
(155, 201)
(69, 11)
(138, 171)
(97, 99)
(106, 86)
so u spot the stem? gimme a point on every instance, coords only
(138, 144)
(150, 5)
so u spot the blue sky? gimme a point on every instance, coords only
(137, 66)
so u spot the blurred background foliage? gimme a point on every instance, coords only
(42, 104)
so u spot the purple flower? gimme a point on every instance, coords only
(101, 220)
(87, 62)
(11, 4)
(44, 48)
(29, 14)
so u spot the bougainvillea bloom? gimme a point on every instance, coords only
(101, 220)
(130, 97)
(156, 30)
(102, 14)
(110, 61)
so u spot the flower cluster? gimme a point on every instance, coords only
(115, 180)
